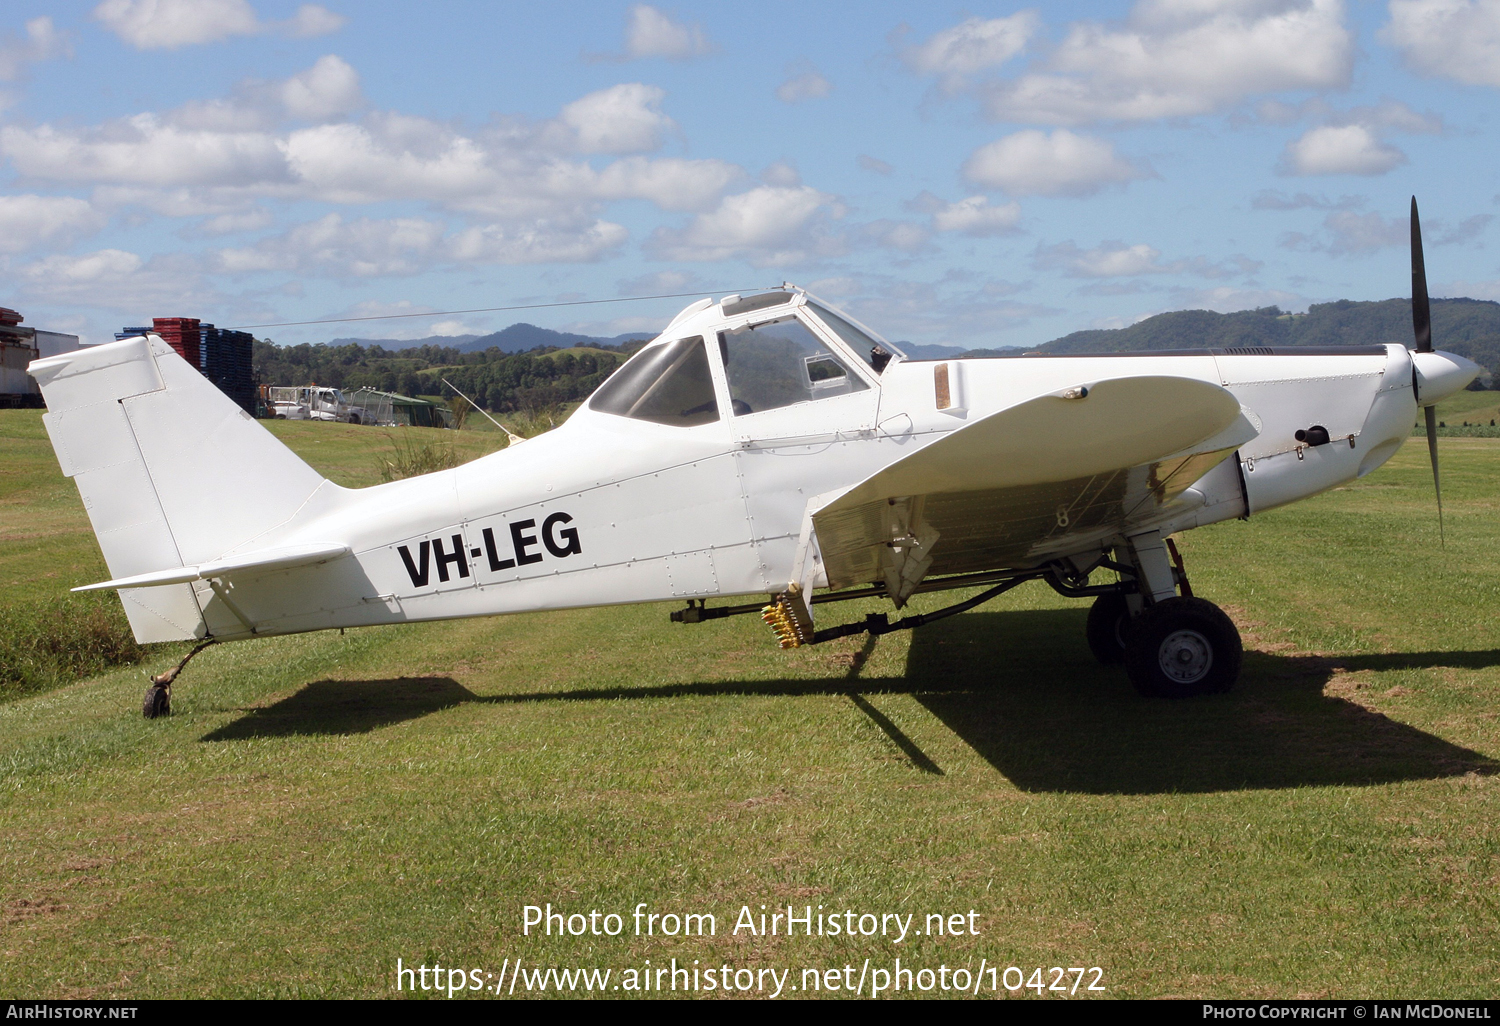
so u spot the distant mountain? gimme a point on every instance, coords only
(518, 338)
(1468, 327)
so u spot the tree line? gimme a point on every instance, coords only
(538, 380)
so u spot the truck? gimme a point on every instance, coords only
(312, 402)
(18, 347)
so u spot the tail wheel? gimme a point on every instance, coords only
(157, 702)
(1108, 625)
(1183, 647)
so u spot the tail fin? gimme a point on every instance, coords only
(171, 470)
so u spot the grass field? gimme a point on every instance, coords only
(319, 806)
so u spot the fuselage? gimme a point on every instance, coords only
(615, 508)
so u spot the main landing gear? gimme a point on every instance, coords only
(1173, 646)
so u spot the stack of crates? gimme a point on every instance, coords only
(182, 334)
(226, 362)
(221, 355)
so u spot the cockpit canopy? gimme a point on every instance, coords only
(803, 353)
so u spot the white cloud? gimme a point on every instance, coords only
(874, 164)
(672, 183)
(767, 225)
(650, 33)
(330, 245)
(376, 247)
(906, 236)
(1467, 230)
(621, 119)
(118, 280)
(972, 46)
(1347, 150)
(1270, 199)
(1033, 163)
(170, 24)
(537, 244)
(142, 150)
(1457, 39)
(961, 310)
(1108, 260)
(975, 216)
(803, 82)
(328, 89)
(228, 153)
(1115, 259)
(661, 282)
(313, 20)
(1351, 234)
(30, 220)
(1178, 58)
(227, 224)
(42, 42)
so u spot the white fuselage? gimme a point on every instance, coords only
(211, 527)
(608, 510)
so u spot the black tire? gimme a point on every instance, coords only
(1108, 626)
(1183, 647)
(158, 702)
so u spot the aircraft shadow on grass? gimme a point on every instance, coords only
(1021, 689)
(346, 707)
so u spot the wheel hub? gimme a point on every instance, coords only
(1185, 657)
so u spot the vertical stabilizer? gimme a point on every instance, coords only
(171, 470)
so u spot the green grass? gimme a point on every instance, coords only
(320, 805)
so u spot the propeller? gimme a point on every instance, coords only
(1421, 323)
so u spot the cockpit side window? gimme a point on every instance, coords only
(779, 363)
(876, 354)
(667, 384)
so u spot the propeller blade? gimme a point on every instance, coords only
(1421, 311)
(1437, 485)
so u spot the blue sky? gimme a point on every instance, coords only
(982, 175)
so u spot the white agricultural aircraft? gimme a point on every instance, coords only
(761, 445)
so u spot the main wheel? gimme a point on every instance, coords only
(158, 702)
(1182, 647)
(1108, 624)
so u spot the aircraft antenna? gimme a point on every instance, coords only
(511, 436)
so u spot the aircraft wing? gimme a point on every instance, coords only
(1029, 482)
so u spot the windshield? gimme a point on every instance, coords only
(779, 363)
(667, 384)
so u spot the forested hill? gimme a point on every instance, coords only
(518, 338)
(1469, 327)
(504, 382)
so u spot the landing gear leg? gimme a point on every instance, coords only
(158, 698)
(1176, 646)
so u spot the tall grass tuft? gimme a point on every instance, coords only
(417, 451)
(46, 644)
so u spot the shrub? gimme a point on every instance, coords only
(47, 644)
(417, 451)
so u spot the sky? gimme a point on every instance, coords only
(984, 175)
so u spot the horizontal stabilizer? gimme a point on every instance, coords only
(266, 561)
